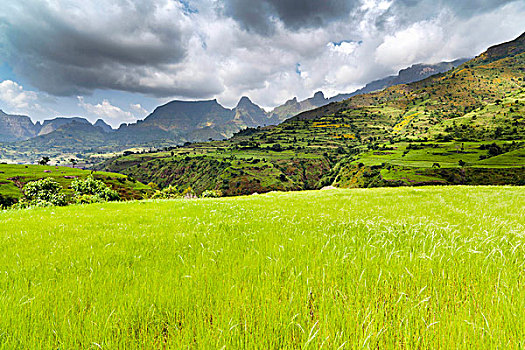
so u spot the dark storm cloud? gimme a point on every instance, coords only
(226, 48)
(260, 15)
(67, 57)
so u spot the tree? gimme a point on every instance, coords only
(494, 150)
(73, 161)
(44, 161)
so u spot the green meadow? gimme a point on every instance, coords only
(428, 268)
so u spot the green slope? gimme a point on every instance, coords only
(14, 177)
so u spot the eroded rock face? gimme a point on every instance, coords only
(248, 114)
(16, 127)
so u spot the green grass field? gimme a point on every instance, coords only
(431, 267)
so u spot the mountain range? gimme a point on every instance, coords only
(20, 127)
(408, 75)
(181, 121)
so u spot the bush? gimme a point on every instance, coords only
(189, 193)
(93, 191)
(42, 193)
(276, 147)
(88, 199)
(169, 192)
(211, 194)
(6, 202)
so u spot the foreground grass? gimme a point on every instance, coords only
(389, 268)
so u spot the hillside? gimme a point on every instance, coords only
(465, 126)
(14, 177)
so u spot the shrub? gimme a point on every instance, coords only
(277, 147)
(189, 193)
(211, 194)
(93, 191)
(153, 186)
(6, 202)
(42, 193)
(169, 192)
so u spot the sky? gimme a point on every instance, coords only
(119, 59)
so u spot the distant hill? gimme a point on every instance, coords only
(248, 114)
(183, 116)
(69, 137)
(51, 125)
(173, 123)
(178, 122)
(16, 127)
(103, 125)
(181, 121)
(293, 106)
(20, 128)
(414, 73)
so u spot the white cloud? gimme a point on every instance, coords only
(410, 45)
(138, 109)
(111, 114)
(16, 97)
(344, 48)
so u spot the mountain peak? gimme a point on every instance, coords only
(319, 94)
(182, 116)
(318, 100)
(244, 102)
(103, 125)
